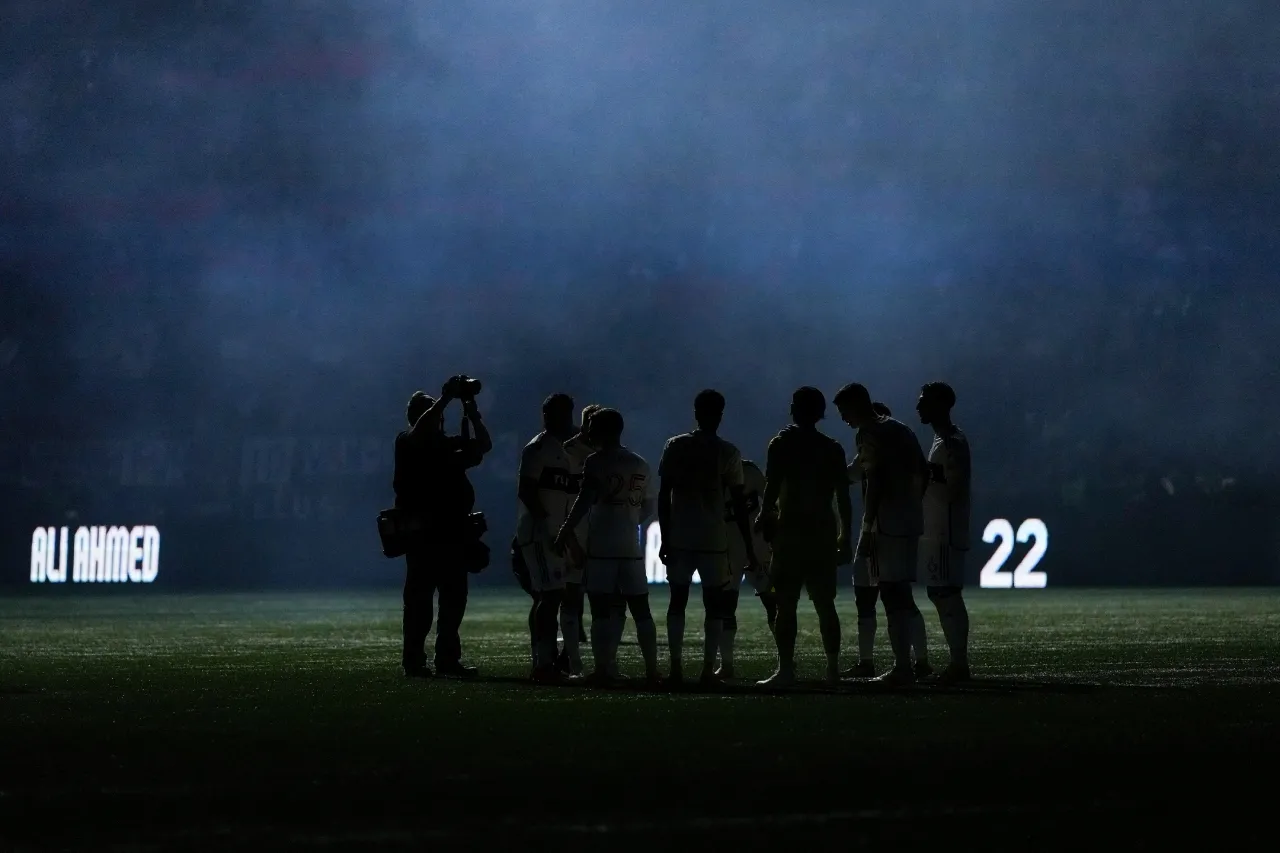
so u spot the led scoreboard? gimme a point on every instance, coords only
(95, 554)
(1024, 575)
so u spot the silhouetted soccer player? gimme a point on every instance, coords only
(430, 481)
(739, 550)
(697, 469)
(579, 447)
(807, 516)
(615, 502)
(892, 519)
(866, 594)
(946, 523)
(545, 492)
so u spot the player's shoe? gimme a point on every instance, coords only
(833, 674)
(724, 674)
(784, 677)
(548, 675)
(955, 673)
(710, 681)
(564, 664)
(456, 670)
(861, 669)
(897, 677)
(675, 678)
(599, 678)
(423, 671)
(923, 670)
(653, 680)
(614, 672)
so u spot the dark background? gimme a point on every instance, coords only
(235, 237)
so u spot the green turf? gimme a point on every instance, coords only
(181, 720)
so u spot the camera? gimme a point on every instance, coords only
(463, 387)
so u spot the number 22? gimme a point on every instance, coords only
(1023, 577)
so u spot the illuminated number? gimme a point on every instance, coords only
(613, 489)
(991, 577)
(635, 493)
(1023, 576)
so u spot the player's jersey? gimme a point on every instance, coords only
(698, 468)
(810, 468)
(888, 448)
(619, 479)
(544, 459)
(946, 498)
(753, 489)
(578, 450)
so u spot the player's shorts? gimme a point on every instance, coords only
(893, 559)
(940, 564)
(862, 573)
(712, 567)
(616, 577)
(804, 559)
(547, 571)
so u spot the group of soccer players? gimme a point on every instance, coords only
(584, 498)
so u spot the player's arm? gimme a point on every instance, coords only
(587, 497)
(773, 474)
(664, 494)
(529, 474)
(844, 504)
(854, 470)
(873, 472)
(956, 469)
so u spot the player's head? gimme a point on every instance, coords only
(854, 403)
(557, 414)
(808, 406)
(606, 428)
(419, 404)
(708, 409)
(937, 399)
(585, 418)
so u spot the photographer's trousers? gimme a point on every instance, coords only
(431, 571)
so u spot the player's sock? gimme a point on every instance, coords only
(919, 637)
(675, 639)
(619, 625)
(569, 628)
(713, 627)
(899, 630)
(785, 634)
(533, 634)
(867, 637)
(647, 636)
(954, 616)
(616, 615)
(829, 628)
(728, 635)
(770, 608)
(601, 634)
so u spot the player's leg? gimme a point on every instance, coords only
(864, 598)
(920, 642)
(898, 601)
(679, 578)
(646, 634)
(547, 617)
(770, 602)
(601, 635)
(713, 570)
(618, 625)
(946, 583)
(728, 634)
(787, 583)
(821, 584)
(569, 625)
(533, 629)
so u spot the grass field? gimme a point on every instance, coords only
(235, 721)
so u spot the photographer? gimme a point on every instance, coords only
(431, 483)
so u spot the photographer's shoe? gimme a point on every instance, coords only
(456, 670)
